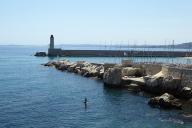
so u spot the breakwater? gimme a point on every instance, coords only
(136, 78)
(116, 53)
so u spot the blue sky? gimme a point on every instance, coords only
(95, 21)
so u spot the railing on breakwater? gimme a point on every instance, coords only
(114, 53)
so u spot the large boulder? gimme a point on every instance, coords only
(49, 64)
(108, 65)
(72, 67)
(162, 84)
(185, 93)
(40, 54)
(112, 77)
(89, 71)
(53, 63)
(100, 70)
(62, 65)
(57, 64)
(79, 65)
(77, 70)
(82, 64)
(165, 101)
(171, 85)
(130, 71)
(153, 84)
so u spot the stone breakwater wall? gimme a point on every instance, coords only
(185, 74)
(151, 69)
(116, 53)
(178, 72)
(152, 78)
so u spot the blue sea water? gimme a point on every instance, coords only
(34, 96)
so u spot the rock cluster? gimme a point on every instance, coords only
(165, 101)
(41, 54)
(134, 79)
(162, 84)
(167, 84)
(134, 72)
(80, 67)
(112, 77)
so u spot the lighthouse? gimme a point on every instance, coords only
(51, 42)
(53, 51)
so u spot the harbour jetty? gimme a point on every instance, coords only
(52, 51)
(116, 53)
(170, 84)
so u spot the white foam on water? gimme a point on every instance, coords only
(177, 121)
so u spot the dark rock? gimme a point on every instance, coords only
(153, 84)
(100, 75)
(165, 101)
(71, 68)
(90, 74)
(77, 70)
(56, 64)
(40, 54)
(100, 71)
(49, 64)
(171, 85)
(186, 93)
(87, 74)
(62, 67)
(159, 85)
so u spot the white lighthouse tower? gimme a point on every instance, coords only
(53, 51)
(51, 42)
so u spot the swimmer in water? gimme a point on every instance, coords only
(85, 102)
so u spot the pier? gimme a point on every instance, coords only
(115, 53)
(52, 51)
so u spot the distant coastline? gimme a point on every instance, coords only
(187, 45)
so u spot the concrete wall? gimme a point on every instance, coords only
(184, 74)
(113, 53)
(176, 72)
(54, 52)
(152, 69)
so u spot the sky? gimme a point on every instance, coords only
(28, 22)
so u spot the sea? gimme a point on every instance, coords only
(34, 96)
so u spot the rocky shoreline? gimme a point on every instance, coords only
(168, 91)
